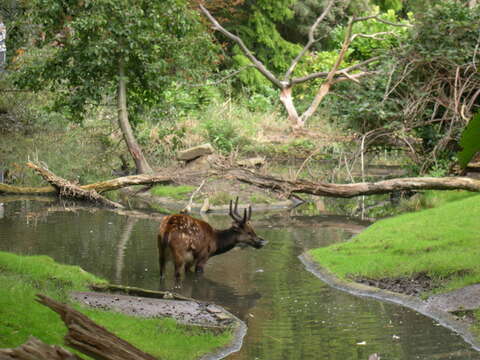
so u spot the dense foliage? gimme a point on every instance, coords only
(427, 90)
(83, 43)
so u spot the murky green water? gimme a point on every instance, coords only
(290, 313)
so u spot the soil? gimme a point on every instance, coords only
(415, 286)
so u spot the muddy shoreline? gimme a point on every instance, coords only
(426, 308)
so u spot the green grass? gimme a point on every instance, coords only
(175, 192)
(20, 316)
(443, 242)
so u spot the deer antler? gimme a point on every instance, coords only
(234, 213)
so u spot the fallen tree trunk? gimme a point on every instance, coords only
(100, 187)
(38, 350)
(356, 189)
(68, 190)
(90, 338)
(277, 184)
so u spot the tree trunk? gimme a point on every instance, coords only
(68, 190)
(90, 338)
(287, 101)
(356, 189)
(140, 162)
(38, 350)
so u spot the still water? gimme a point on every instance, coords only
(290, 313)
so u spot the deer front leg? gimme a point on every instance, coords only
(201, 264)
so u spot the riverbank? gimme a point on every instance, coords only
(20, 316)
(426, 253)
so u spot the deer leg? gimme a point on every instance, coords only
(200, 265)
(161, 255)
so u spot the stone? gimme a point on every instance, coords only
(195, 152)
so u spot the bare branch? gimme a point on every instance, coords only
(257, 63)
(379, 19)
(373, 36)
(311, 40)
(324, 74)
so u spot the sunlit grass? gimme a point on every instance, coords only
(442, 242)
(175, 192)
(20, 316)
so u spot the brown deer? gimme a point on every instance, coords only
(190, 241)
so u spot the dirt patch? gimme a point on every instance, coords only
(186, 312)
(413, 286)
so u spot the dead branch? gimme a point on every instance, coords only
(35, 349)
(99, 187)
(90, 338)
(257, 63)
(66, 189)
(356, 189)
(311, 40)
(287, 83)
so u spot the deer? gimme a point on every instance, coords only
(191, 241)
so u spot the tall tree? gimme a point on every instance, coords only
(335, 74)
(129, 49)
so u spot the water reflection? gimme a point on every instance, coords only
(290, 313)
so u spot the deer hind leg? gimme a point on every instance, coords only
(162, 255)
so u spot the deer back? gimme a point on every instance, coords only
(186, 232)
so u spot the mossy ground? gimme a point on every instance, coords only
(20, 316)
(441, 242)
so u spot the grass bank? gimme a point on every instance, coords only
(442, 242)
(20, 316)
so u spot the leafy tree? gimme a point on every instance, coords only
(131, 49)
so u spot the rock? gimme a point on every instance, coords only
(251, 162)
(201, 163)
(195, 152)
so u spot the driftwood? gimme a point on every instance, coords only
(35, 349)
(66, 189)
(90, 338)
(99, 187)
(130, 290)
(356, 189)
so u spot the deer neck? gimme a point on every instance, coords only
(226, 240)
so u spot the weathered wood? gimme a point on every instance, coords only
(356, 189)
(35, 349)
(195, 152)
(66, 189)
(20, 190)
(130, 290)
(90, 338)
(100, 187)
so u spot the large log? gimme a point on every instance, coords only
(66, 189)
(35, 349)
(100, 187)
(356, 189)
(90, 338)
(281, 185)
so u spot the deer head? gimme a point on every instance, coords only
(243, 228)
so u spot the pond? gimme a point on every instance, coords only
(289, 312)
